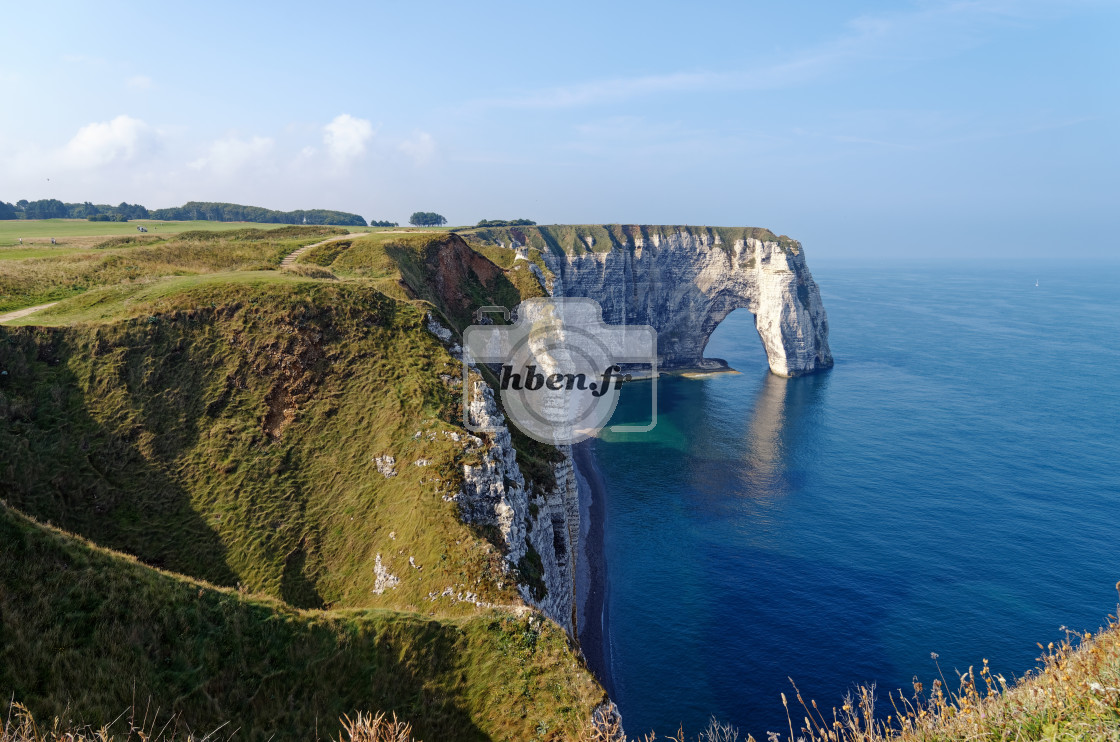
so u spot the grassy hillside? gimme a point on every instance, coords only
(85, 634)
(227, 429)
(441, 270)
(195, 408)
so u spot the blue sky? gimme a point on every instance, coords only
(920, 129)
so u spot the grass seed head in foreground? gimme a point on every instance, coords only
(21, 726)
(1075, 694)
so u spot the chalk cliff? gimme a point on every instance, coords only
(539, 525)
(684, 281)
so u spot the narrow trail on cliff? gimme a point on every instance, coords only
(294, 255)
(24, 312)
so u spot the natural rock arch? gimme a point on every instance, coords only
(684, 284)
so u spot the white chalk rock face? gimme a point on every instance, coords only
(542, 523)
(684, 284)
(542, 526)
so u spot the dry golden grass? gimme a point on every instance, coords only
(606, 727)
(20, 726)
(1075, 694)
(377, 728)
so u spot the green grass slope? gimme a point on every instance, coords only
(443, 271)
(228, 429)
(85, 634)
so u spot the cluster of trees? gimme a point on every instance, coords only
(427, 219)
(506, 223)
(224, 212)
(52, 208)
(375, 223)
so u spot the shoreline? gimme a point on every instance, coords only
(592, 585)
(708, 368)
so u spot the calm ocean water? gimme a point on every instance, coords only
(951, 487)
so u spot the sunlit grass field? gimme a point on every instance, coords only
(67, 231)
(58, 273)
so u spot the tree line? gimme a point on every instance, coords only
(51, 208)
(225, 212)
(426, 219)
(432, 219)
(506, 223)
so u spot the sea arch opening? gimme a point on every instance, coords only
(735, 340)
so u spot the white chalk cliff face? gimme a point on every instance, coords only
(685, 283)
(544, 523)
(540, 525)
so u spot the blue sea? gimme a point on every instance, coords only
(950, 487)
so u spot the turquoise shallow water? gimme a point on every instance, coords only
(951, 486)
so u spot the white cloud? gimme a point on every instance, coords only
(231, 155)
(421, 147)
(139, 82)
(346, 137)
(105, 142)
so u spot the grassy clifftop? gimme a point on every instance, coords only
(575, 239)
(440, 270)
